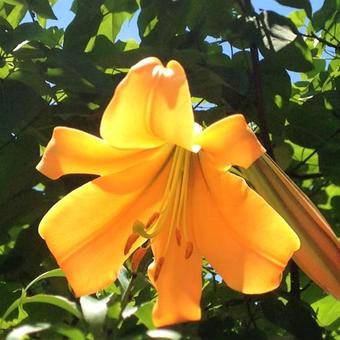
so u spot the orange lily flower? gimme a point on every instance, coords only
(163, 182)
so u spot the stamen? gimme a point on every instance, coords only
(137, 257)
(129, 243)
(152, 220)
(172, 212)
(189, 250)
(178, 237)
(159, 266)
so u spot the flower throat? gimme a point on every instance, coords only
(172, 213)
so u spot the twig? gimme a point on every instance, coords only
(322, 40)
(259, 99)
(294, 280)
(127, 295)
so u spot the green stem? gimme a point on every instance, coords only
(127, 295)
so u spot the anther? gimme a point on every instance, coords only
(137, 257)
(159, 265)
(129, 243)
(188, 250)
(154, 217)
(178, 237)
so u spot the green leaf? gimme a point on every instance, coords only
(16, 15)
(84, 25)
(144, 314)
(298, 18)
(327, 310)
(54, 300)
(51, 273)
(94, 310)
(164, 334)
(325, 15)
(19, 105)
(42, 8)
(304, 4)
(123, 278)
(278, 31)
(281, 41)
(302, 320)
(116, 13)
(306, 129)
(18, 156)
(77, 74)
(21, 332)
(68, 331)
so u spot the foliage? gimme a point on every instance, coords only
(237, 60)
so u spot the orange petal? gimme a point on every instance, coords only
(150, 107)
(230, 141)
(73, 151)
(87, 230)
(242, 237)
(177, 280)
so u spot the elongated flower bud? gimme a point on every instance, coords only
(319, 254)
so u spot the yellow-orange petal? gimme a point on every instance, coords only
(150, 107)
(230, 141)
(177, 280)
(88, 229)
(73, 151)
(242, 237)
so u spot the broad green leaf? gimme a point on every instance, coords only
(19, 105)
(55, 300)
(84, 25)
(144, 314)
(281, 41)
(306, 128)
(304, 4)
(325, 15)
(116, 13)
(42, 8)
(16, 15)
(278, 31)
(327, 310)
(298, 18)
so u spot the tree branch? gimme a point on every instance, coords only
(261, 114)
(324, 41)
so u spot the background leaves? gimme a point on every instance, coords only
(237, 60)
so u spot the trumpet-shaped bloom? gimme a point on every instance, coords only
(163, 183)
(319, 254)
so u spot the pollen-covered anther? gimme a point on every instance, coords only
(188, 250)
(159, 265)
(152, 220)
(178, 237)
(129, 243)
(137, 257)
